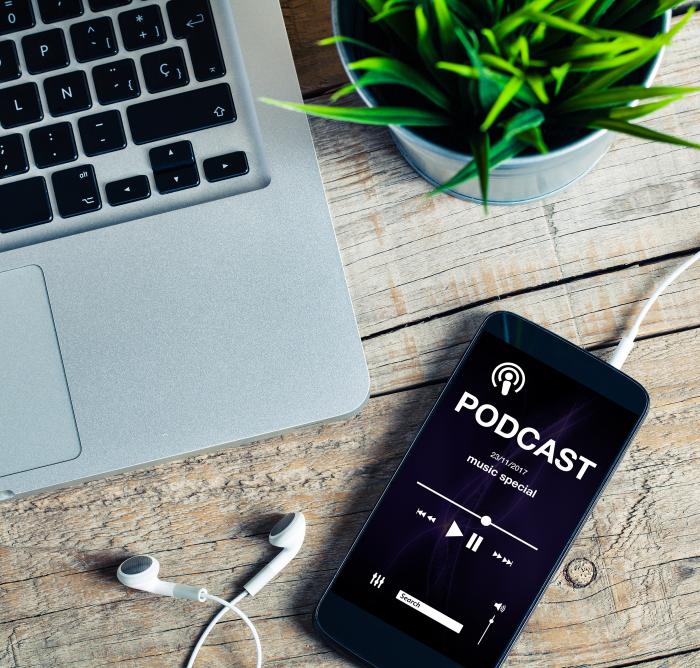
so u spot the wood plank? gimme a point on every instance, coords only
(590, 312)
(408, 257)
(206, 519)
(318, 68)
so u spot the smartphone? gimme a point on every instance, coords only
(485, 504)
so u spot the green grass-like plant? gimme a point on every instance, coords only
(499, 78)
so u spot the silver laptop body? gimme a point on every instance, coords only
(205, 316)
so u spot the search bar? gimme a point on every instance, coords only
(428, 611)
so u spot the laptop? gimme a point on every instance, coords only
(170, 280)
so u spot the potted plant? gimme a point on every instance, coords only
(523, 95)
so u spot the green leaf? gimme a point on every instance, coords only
(522, 121)
(501, 64)
(367, 115)
(641, 110)
(426, 48)
(335, 39)
(533, 137)
(536, 83)
(562, 24)
(507, 94)
(501, 151)
(640, 131)
(621, 95)
(392, 71)
(481, 149)
(463, 70)
(559, 76)
(446, 28)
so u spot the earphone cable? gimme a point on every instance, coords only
(225, 607)
(624, 348)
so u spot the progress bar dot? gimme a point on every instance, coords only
(486, 520)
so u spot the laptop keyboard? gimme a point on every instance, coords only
(113, 110)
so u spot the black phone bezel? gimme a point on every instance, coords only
(375, 642)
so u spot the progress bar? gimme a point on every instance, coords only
(471, 512)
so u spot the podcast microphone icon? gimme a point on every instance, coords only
(509, 376)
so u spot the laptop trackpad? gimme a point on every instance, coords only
(37, 425)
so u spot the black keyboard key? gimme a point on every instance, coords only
(15, 15)
(13, 157)
(192, 20)
(24, 204)
(226, 166)
(67, 93)
(9, 63)
(171, 156)
(142, 27)
(45, 51)
(181, 114)
(76, 191)
(101, 5)
(102, 133)
(59, 10)
(93, 39)
(53, 145)
(164, 70)
(117, 81)
(129, 190)
(176, 179)
(20, 105)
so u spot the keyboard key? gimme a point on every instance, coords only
(164, 70)
(13, 157)
(20, 105)
(15, 15)
(76, 191)
(102, 133)
(226, 166)
(9, 63)
(176, 179)
(192, 20)
(67, 93)
(171, 156)
(24, 204)
(101, 5)
(129, 190)
(53, 145)
(117, 81)
(45, 51)
(59, 10)
(142, 27)
(181, 114)
(93, 39)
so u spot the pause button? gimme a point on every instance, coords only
(474, 542)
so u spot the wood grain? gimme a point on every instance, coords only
(408, 257)
(206, 519)
(422, 273)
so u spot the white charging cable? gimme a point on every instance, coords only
(225, 607)
(624, 348)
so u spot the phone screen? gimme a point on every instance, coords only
(487, 499)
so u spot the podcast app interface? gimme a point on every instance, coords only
(485, 502)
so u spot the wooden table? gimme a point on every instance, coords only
(423, 273)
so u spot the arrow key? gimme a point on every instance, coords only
(226, 166)
(171, 156)
(176, 179)
(128, 190)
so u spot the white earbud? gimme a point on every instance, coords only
(141, 572)
(288, 534)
